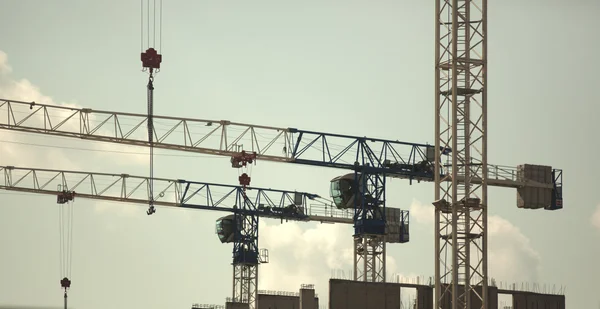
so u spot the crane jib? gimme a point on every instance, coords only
(399, 159)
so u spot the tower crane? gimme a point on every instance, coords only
(372, 161)
(250, 202)
(461, 198)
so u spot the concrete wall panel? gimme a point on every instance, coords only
(229, 305)
(392, 296)
(527, 300)
(376, 295)
(338, 296)
(424, 297)
(354, 297)
(308, 299)
(266, 301)
(519, 301)
(348, 294)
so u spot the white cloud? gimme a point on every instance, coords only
(42, 151)
(421, 213)
(4, 67)
(301, 255)
(312, 255)
(595, 219)
(511, 258)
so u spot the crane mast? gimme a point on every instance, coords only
(461, 124)
(246, 255)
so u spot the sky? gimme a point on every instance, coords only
(343, 67)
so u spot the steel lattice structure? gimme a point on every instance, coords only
(171, 193)
(461, 124)
(395, 159)
(247, 204)
(457, 164)
(369, 227)
(245, 283)
(369, 258)
(246, 255)
(371, 157)
(373, 160)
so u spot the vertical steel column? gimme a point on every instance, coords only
(369, 258)
(484, 161)
(245, 252)
(369, 226)
(245, 278)
(461, 124)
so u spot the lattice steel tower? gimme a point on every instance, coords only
(461, 124)
(369, 226)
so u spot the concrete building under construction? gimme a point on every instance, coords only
(306, 298)
(350, 294)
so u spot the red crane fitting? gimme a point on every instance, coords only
(65, 283)
(65, 196)
(244, 180)
(243, 158)
(151, 59)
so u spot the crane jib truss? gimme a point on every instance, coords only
(395, 159)
(127, 188)
(369, 207)
(375, 158)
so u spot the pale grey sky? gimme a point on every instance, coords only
(342, 66)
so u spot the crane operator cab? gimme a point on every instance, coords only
(225, 229)
(343, 190)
